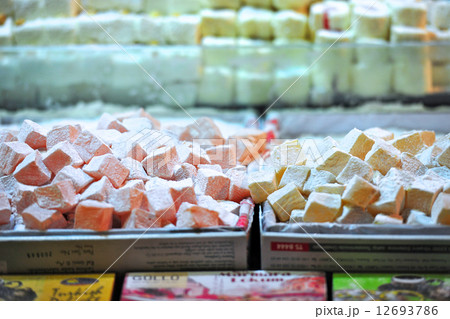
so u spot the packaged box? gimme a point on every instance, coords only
(237, 286)
(94, 287)
(355, 248)
(391, 287)
(84, 251)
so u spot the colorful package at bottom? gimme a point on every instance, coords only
(258, 285)
(57, 287)
(390, 287)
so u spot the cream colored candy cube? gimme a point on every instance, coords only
(439, 14)
(261, 185)
(255, 23)
(381, 219)
(409, 13)
(331, 189)
(380, 133)
(334, 161)
(297, 5)
(428, 137)
(218, 23)
(377, 177)
(411, 164)
(371, 80)
(443, 141)
(440, 213)
(220, 4)
(216, 86)
(331, 15)
(317, 178)
(258, 3)
(295, 174)
(411, 143)
(326, 144)
(444, 157)
(322, 208)
(446, 189)
(354, 215)
(288, 153)
(297, 216)
(423, 192)
(418, 218)
(383, 156)
(357, 143)
(359, 192)
(253, 88)
(355, 166)
(292, 85)
(285, 200)
(289, 25)
(428, 156)
(400, 177)
(391, 200)
(441, 171)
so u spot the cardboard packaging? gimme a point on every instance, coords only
(391, 287)
(92, 287)
(235, 286)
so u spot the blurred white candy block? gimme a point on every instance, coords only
(413, 80)
(150, 30)
(330, 15)
(254, 55)
(178, 64)
(372, 80)
(6, 34)
(59, 8)
(184, 29)
(60, 31)
(332, 69)
(418, 218)
(440, 14)
(414, 49)
(217, 87)
(297, 5)
(126, 79)
(108, 5)
(176, 7)
(25, 10)
(409, 13)
(185, 94)
(223, 4)
(292, 85)
(439, 51)
(412, 65)
(441, 75)
(218, 23)
(255, 23)
(7, 7)
(9, 70)
(107, 28)
(371, 20)
(218, 51)
(155, 7)
(372, 51)
(291, 53)
(98, 65)
(258, 3)
(30, 33)
(58, 78)
(253, 88)
(289, 24)
(408, 34)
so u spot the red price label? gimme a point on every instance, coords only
(279, 246)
